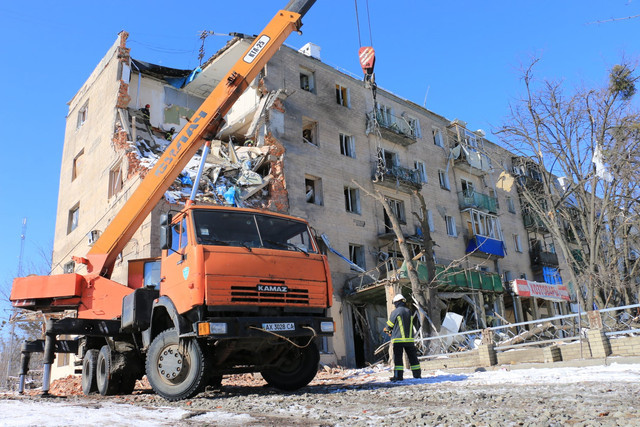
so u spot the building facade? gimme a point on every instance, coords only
(329, 146)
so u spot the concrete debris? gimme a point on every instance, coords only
(233, 175)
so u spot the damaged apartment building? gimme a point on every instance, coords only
(308, 140)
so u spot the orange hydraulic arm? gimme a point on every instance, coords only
(203, 126)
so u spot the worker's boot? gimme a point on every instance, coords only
(397, 375)
(417, 373)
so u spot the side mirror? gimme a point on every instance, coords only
(165, 231)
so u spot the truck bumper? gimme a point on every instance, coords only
(253, 327)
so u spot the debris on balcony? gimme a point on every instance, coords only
(474, 158)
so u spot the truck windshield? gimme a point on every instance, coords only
(224, 228)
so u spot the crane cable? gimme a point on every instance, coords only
(380, 160)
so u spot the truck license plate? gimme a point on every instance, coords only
(278, 327)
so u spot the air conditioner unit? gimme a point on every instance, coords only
(93, 235)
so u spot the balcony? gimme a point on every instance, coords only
(532, 221)
(397, 177)
(452, 278)
(392, 128)
(484, 245)
(471, 160)
(543, 259)
(478, 201)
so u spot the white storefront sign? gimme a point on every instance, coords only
(528, 288)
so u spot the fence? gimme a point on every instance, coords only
(615, 321)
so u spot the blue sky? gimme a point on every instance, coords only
(463, 57)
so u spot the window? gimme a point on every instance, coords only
(83, 114)
(390, 158)
(385, 115)
(347, 146)
(72, 223)
(471, 140)
(342, 96)
(485, 225)
(76, 168)
(69, 267)
(516, 243)
(356, 255)
(352, 200)
(510, 205)
(313, 189)
(307, 80)
(179, 235)
(414, 126)
(151, 274)
(437, 137)
(451, 226)
(422, 171)
(397, 207)
(444, 179)
(309, 131)
(467, 188)
(115, 180)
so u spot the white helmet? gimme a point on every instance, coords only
(397, 298)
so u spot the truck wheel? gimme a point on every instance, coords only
(298, 368)
(108, 382)
(89, 362)
(175, 369)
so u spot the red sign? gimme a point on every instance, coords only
(528, 288)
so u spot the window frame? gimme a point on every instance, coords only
(351, 205)
(316, 183)
(451, 226)
(75, 169)
(347, 145)
(311, 80)
(356, 252)
(115, 185)
(311, 126)
(443, 179)
(517, 243)
(421, 167)
(73, 218)
(437, 131)
(343, 95)
(83, 115)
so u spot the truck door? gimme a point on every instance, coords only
(177, 268)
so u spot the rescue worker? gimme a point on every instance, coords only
(146, 114)
(400, 325)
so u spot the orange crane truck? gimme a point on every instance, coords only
(238, 290)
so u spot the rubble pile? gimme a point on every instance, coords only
(233, 174)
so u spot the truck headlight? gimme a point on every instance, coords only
(209, 328)
(326, 327)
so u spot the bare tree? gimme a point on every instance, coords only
(585, 147)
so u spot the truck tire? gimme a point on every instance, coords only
(175, 369)
(296, 371)
(107, 380)
(89, 362)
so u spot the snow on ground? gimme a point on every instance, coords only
(56, 413)
(22, 411)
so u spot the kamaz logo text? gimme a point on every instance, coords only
(172, 153)
(272, 288)
(256, 49)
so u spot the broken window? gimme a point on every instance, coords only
(77, 165)
(83, 114)
(72, 222)
(356, 255)
(422, 171)
(484, 225)
(352, 200)
(510, 205)
(313, 189)
(307, 80)
(309, 131)
(467, 188)
(451, 226)
(444, 179)
(397, 207)
(506, 275)
(430, 221)
(385, 115)
(115, 180)
(492, 194)
(437, 137)
(390, 159)
(347, 145)
(414, 126)
(516, 243)
(69, 267)
(342, 96)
